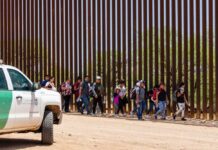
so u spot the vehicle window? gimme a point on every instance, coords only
(20, 83)
(3, 82)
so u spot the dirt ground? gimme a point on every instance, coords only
(85, 133)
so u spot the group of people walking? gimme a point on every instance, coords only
(157, 97)
(83, 91)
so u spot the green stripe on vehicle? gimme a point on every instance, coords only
(5, 106)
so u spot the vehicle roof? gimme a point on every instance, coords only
(3, 66)
(7, 66)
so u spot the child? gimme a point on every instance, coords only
(116, 99)
(152, 94)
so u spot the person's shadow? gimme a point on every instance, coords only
(16, 144)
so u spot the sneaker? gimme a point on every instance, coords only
(147, 117)
(183, 119)
(131, 113)
(89, 113)
(81, 112)
(116, 116)
(163, 118)
(174, 117)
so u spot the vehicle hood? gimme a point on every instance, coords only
(44, 91)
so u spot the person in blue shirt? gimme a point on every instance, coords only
(43, 83)
(84, 94)
(141, 98)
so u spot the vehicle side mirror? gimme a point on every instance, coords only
(36, 86)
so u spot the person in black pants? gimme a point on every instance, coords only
(66, 91)
(76, 90)
(120, 107)
(66, 103)
(98, 91)
(98, 101)
(123, 99)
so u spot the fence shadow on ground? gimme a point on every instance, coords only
(190, 121)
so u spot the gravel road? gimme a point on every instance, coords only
(85, 133)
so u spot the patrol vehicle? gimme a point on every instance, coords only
(24, 107)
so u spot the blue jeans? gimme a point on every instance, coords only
(162, 109)
(141, 109)
(152, 105)
(116, 107)
(85, 100)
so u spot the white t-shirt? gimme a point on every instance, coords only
(122, 92)
(53, 88)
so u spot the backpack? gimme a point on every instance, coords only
(133, 93)
(175, 96)
(91, 93)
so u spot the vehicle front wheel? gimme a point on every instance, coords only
(47, 128)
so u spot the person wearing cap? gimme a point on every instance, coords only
(98, 91)
(133, 92)
(181, 102)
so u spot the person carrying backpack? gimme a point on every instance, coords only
(84, 95)
(99, 94)
(141, 100)
(181, 102)
(133, 97)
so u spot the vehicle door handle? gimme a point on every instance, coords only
(19, 98)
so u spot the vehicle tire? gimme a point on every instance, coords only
(47, 128)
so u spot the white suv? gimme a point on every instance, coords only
(24, 107)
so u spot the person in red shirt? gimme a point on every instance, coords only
(76, 88)
(152, 94)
